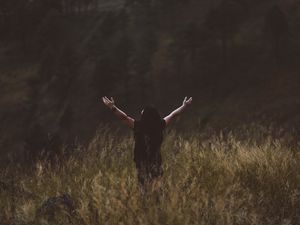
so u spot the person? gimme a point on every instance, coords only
(148, 136)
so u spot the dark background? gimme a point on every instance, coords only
(239, 59)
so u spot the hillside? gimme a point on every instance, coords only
(226, 54)
(219, 180)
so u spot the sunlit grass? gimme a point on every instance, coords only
(215, 180)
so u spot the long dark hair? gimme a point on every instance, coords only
(151, 121)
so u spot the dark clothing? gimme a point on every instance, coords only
(147, 156)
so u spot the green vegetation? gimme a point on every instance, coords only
(220, 179)
(237, 58)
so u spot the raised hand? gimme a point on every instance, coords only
(176, 112)
(110, 103)
(187, 102)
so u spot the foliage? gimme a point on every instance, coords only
(145, 52)
(277, 31)
(215, 180)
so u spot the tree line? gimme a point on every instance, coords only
(128, 57)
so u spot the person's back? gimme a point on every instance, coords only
(148, 135)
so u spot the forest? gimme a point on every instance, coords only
(238, 58)
(232, 158)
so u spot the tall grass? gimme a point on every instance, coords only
(215, 180)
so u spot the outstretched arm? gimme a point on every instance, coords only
(110, 103)
(176, 112)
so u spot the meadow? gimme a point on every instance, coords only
(247, 176)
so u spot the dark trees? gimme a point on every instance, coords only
(276, 31)
(144, 25)
(222, 23)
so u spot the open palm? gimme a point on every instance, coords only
(187, 102)
(108, 102)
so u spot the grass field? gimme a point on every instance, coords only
(217, 179)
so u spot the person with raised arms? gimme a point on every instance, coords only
(148, 136)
